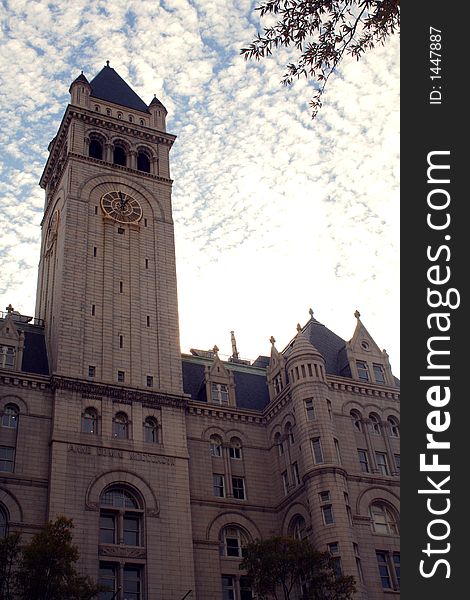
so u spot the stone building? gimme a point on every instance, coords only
(169, 463)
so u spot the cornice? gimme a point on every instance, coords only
(24, 380)
(350, 385)
(226, 413)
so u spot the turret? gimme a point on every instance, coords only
(158, 114)
(80, 91)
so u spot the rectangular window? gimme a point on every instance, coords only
(235, 452)
(93, 310)
(396, 566)
(238, 487)
(310, 410)
(333, 548)
(324, 496)
(219, 393)
(108, 579)
(91, 371)
(7, 459)
(131, 530)
(245, 589)
(149, 381)
(362, 370)
(364, 460)
(228, 587)
(107, 528)
(96, 210)
(397, 462)
(145, 223)
(337, 566)
(358, 562)
(285, 482)
(121, 376)
(132, 582)
(295, 473)
(330, 410)
(382, 465)
(146, 263)
(219, 486)
(121, 341)
(94, 250)
(327, 511)
(148, 321)
(120, 287)
(379, 375)
(338, 454)
(317, 451)
(384, 571)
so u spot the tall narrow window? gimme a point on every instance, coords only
(3, 522)
(383, 519)
(310, 409)
(295, 473)
(393, 427)
(374, 425)
(93, 310)
(363, 460)
(143, 162)
(7, 356)
(238, 488)
(356, 417)
(121, 376)
(95, 149)
(149, 381)
(218, 485)
(10, 416)
(7, 459)
(148, 321)
(397, 462)
(285, 482)
(362, 370)
(119, 156)
(228, 587)
(327, 512)
(150, 430)
(382, 464)
(219, 393)
(338, 453)
(379, 374)
(108, 579)
(235, 449)
(384, 572)
(90, 421)
(120, 517)
(215, 446)
(317, 451)
(132, 584)
(121, 426)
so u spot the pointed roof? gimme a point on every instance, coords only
(110, 86)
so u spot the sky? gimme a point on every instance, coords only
(275, 213)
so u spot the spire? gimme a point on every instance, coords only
(108, 85)
(234, 345)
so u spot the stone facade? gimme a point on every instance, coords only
(169, 463)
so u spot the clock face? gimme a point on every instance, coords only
(121, 207)
(52, 228)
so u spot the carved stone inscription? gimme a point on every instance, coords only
(121, 454)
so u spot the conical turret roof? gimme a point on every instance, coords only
(111, 87)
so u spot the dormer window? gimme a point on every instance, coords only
(7, 357)
(379, 374)
(362, 370)
(219, 393)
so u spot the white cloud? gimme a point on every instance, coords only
(274, 212)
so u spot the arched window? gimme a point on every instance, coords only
(90, 421)
(298, 528)
(119, 156)
(121, 426)
(289, 433)
(121, 517)
(151, 430)
(383, 519)
(394, 427)
(279, 443)
(356, 417)
(215, 445)
(3, 522)
(232, 541)
(143, 161)
(95, 149)
(235, 449)
(374, 424)
(10, 416)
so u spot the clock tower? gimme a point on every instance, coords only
(107, 277)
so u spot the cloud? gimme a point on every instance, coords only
(273, 212)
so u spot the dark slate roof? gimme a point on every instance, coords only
(262, 362)
(35, 353)
(81, 78)
(110, 86)
(330, 346)
(194, 380)
(250, 388)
